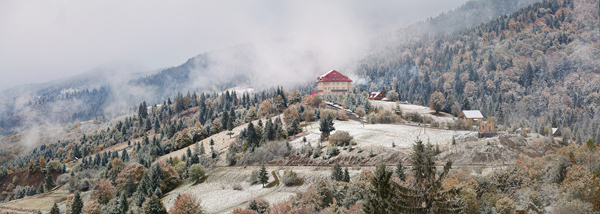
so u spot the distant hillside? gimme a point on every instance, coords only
(468, 15)
(533, 68)
(260, 65)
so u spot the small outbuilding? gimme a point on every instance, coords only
(556, 132)
(487, 130)
(376, 96)
(471, 116)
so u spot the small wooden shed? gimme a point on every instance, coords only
(473, 116)
(376, 96)
(556, 132)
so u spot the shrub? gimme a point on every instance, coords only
(290, 178)
(238, 187)
(254, 177)
(328, 112)
(317, 152)
(505, 206)
(341, 115)
(91, 207)
(170, 178)
(186, 204)
(393, 96)
(132, 171)
(281, 207)
(84, 185)
(414, 117)
(62, 179)
(154, 205)
(333, 151)
(267, 153)
(104, 191)
(340, 138)
(197, 172)
(360, 112)
(383, 116)
(180, 168)
(259, 205)
(181, 139)
(243, 211)
(54, 166)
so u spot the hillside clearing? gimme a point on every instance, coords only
(383, 135)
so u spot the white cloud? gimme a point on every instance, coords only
(45, 40)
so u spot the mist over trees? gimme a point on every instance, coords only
(519, 68)
(534, 68)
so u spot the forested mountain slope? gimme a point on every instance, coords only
(534, 68)
(252, 65)
(467, 15)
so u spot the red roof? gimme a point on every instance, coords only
(374, 94)
(333, 76)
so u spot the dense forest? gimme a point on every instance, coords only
(533, 68)
(210, 71)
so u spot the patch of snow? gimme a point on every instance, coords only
(383, 135)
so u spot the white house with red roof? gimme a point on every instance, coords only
(333, 83)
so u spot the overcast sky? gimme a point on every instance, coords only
(46, 40)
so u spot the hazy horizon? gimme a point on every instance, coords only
(49, 40)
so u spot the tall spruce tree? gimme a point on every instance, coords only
(400, 171)
(346, 175)
(77, 205)
(381, 197)
(336, 172)
(263, 175)
(49, 183)
(202, 150)
(326, 127)
(154, 206)
(427, 195)
(55, 209)
(123, 206)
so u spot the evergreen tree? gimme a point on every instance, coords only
(155, 177)
(294, 128)
(253, 205)
(346, 175)
(55, 209)
(129, 188)
(156, 125)
(148, 125)
(123, 206)
(77, 205)
(202, 150)
(263, 175)
(336, 172)
(49, 183)
(381, 198)
(154, 206)
(124, 156)
(230, 127)
(213, 153)
(427, 194)
(400, 171)
(326, 127)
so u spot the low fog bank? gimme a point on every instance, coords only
(280, 44)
